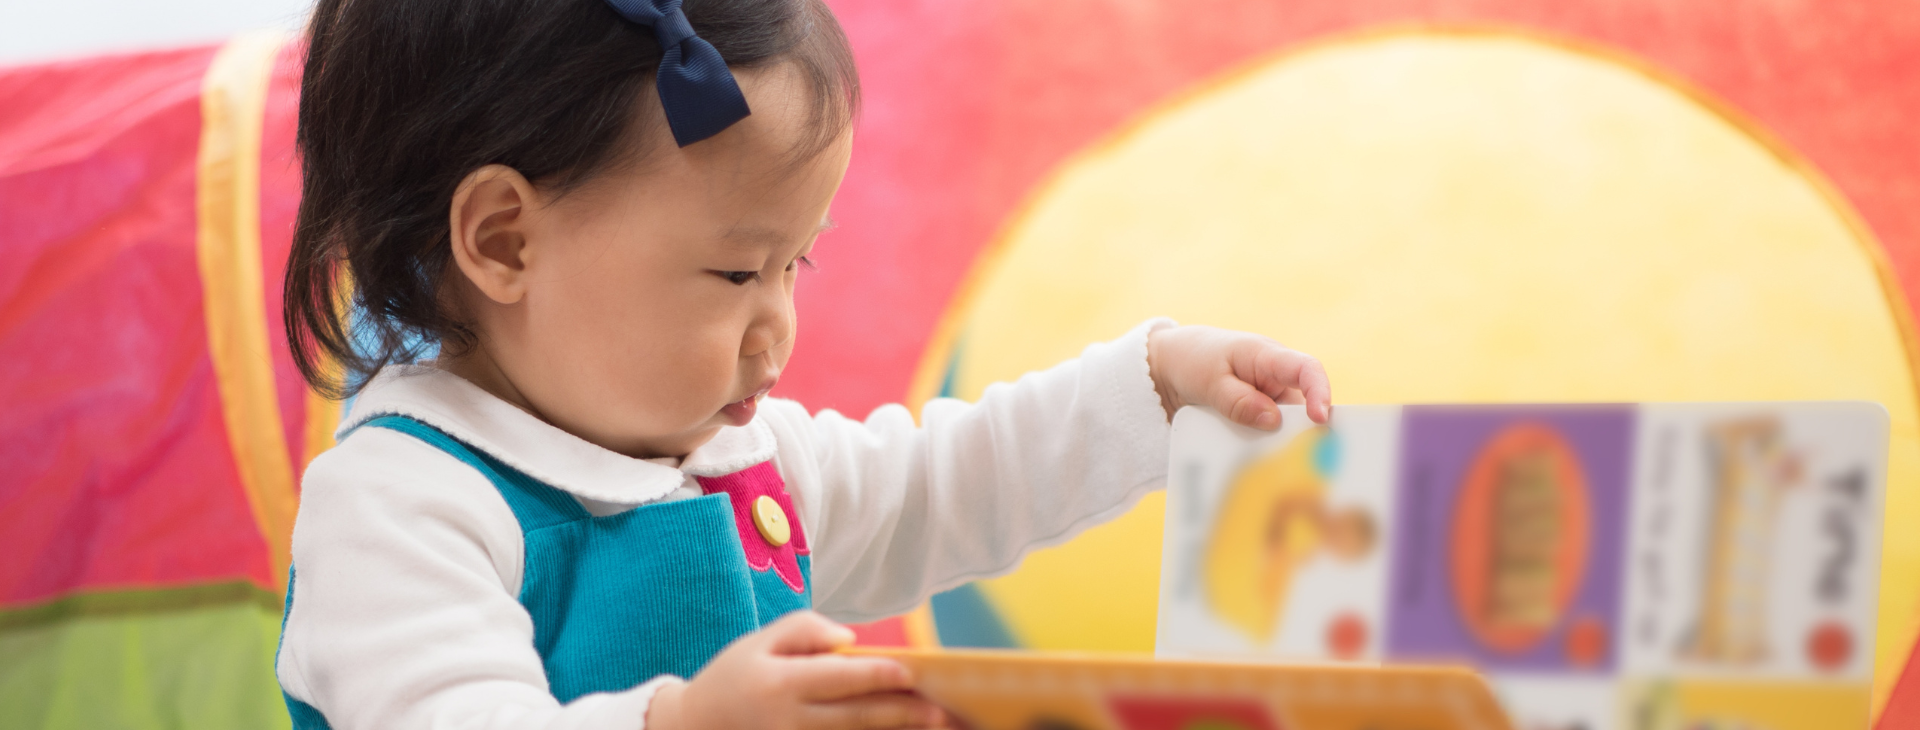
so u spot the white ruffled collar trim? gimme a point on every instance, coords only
(518, 439)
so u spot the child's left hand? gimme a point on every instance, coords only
(1243, 376)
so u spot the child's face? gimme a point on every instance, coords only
(655, 305)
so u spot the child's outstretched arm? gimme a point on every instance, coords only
(898, 511)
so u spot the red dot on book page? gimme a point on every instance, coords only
(1347, 636)
(1829, 646)
(1586, 642)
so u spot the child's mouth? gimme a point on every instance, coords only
(740, 412)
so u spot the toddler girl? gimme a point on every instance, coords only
(586, 513)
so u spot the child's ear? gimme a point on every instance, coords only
(488, 223)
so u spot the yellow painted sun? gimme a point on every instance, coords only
(1439, 216)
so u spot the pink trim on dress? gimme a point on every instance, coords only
(742, 488)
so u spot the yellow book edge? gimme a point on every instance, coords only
(1018, 690)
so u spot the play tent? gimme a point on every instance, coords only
(1447, 201)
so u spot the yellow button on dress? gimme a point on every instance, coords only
(771, 521)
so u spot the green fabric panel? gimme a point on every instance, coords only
(198, 657)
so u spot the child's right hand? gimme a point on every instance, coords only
(785, 677)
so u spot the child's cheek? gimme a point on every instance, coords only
(680, 382)
(784, 352)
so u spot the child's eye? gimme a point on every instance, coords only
(803, 261)
(738, 277)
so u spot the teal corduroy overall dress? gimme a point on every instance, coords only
(658, 589)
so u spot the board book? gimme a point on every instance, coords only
(1645, 567)
(1009, 690)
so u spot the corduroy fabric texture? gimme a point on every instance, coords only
(618, 600)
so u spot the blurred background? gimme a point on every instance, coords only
(33, 32)
(1445, 200)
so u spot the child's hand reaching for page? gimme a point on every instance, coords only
(785, 677)
(1241, 375)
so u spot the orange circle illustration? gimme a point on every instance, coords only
(1347, 636)
(1521, 533)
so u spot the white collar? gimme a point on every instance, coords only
(518, 439)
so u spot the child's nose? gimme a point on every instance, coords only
(772, 328)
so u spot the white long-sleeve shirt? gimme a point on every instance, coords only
(408, 561)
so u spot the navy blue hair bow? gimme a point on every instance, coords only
(696, 88)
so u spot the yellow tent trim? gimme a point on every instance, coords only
(323, 415)
(232, 105)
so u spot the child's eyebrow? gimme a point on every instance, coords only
(771, 237)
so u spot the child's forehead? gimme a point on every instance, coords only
(775, 152)
(761, 183)
(783, 125)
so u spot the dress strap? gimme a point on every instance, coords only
(535, 504)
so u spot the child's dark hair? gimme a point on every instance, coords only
(401, 99)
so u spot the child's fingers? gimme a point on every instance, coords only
(806, 632)
(873, 712)
(834, 677)
(1274, 369)
(1244, 404)
(1316, 391)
